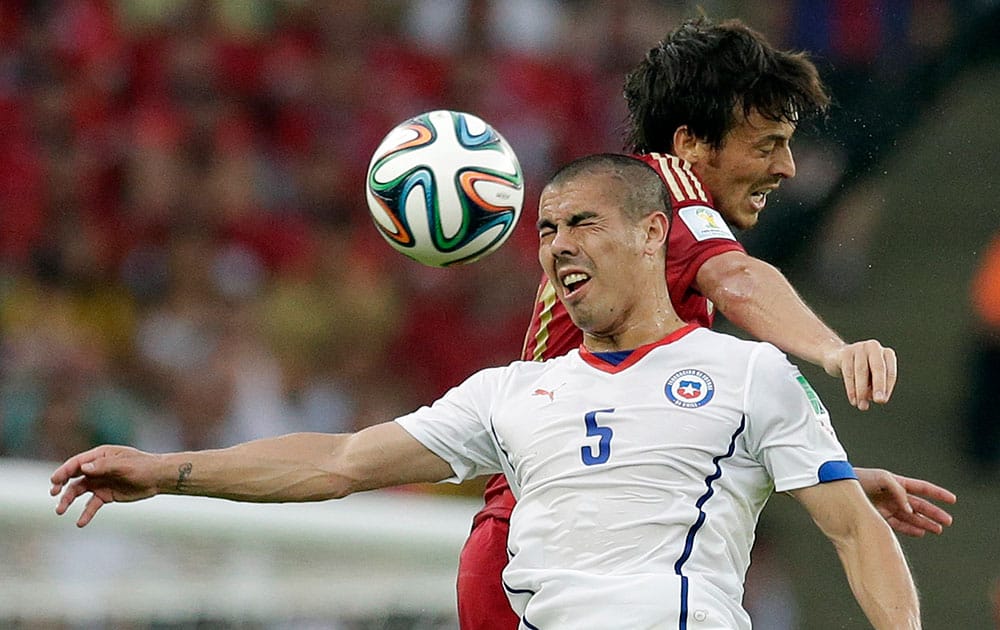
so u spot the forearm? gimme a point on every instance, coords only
(294, 467)
(305, 466)
(870, 553)
(757, 298)
(879, 577)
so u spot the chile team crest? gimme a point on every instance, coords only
(689, 388)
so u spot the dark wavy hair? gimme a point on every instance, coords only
(702, 72)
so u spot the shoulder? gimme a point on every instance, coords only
(725, 342)
(690, 200)
(525, 369)
(737, 354)
(756, 354)
(682, 182)
(773, 386)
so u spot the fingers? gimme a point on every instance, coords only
(930, 512)
(69, 469)
(74, 478)
(869, 371)
(915, 523)
(900, 502)
(924, 514)
(926, 489)
(72, 467)
(904, 502)
(906, 528)
(884, 393)
(95, 503)
(875, 370)
(98, 498)
(921, 517)
(70, 494)
(862, 371)
(854, 371)
(852, 392)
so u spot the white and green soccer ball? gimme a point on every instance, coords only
(445, 188)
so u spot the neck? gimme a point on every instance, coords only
(631, 336)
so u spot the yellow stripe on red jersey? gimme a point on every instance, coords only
(539, 343)
(684, 186)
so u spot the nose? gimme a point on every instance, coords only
(563, 242)
(783, 164)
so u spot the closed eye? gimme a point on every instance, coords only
(582, 218)
(547, 227)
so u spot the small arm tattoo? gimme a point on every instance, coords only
(183, 472)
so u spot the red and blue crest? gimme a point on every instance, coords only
(689, 388)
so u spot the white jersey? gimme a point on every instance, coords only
(639, 483)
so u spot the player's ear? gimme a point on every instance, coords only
(657, 231)
(687, 145)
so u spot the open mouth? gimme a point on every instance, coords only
(574, 281)
(759, 199)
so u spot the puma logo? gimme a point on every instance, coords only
(551, 395)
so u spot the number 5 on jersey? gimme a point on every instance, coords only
(603, 445)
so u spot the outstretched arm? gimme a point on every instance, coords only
(870, 554)
(755, 296)
(294, 467)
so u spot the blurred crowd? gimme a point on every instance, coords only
(186, 259)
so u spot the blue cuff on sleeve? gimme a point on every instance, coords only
(835, 471)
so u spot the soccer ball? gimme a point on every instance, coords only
(444, 188)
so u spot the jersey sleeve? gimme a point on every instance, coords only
(456, 427)
(697, 233)
(697, 230)
(788, 429)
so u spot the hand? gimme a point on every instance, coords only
(110, 473)
(903, 502)
(868, 369)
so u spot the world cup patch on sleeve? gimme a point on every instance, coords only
(812, 396)
(705, 223)
(820, 412)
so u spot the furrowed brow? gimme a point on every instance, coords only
(573, 220)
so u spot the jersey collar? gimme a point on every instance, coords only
(636, 355)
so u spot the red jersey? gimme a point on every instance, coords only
(697, 232)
